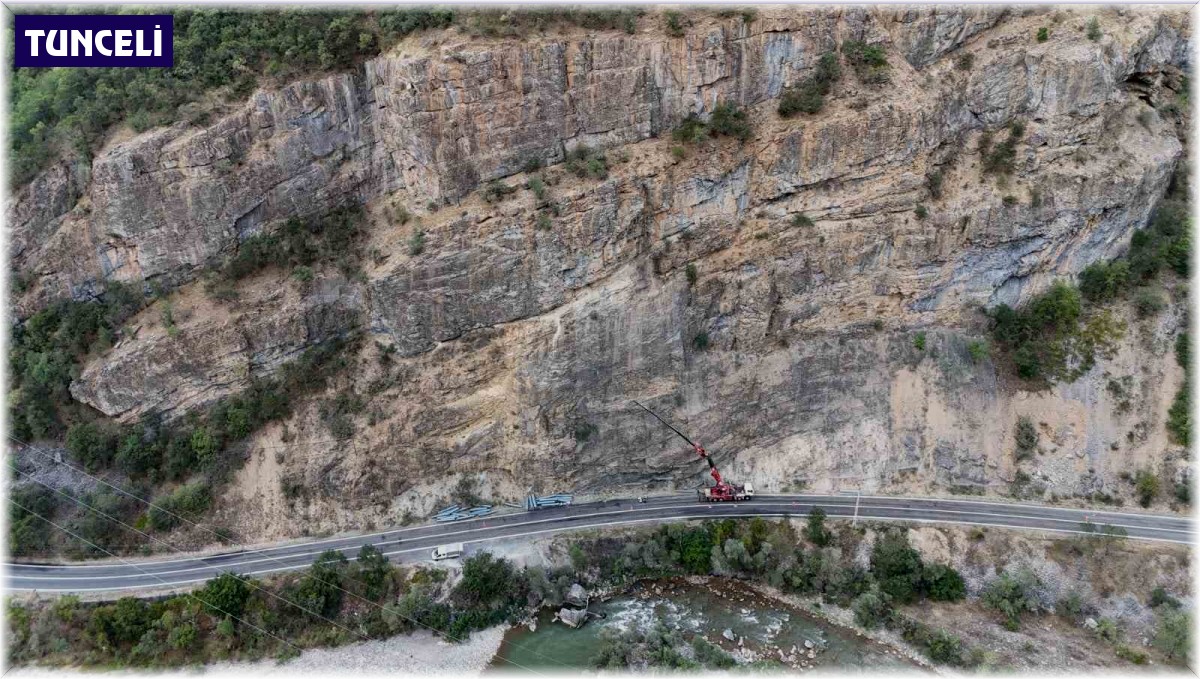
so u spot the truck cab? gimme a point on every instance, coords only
(447, 551)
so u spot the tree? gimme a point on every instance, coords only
(91, 445)
(815, 531)
(374, 571)
(320, 591)
(1173, 637)
(897, 567)
(225, 595)
(943, 583)
(488, 583)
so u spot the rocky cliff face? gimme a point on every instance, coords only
(512, 341)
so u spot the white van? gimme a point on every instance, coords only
(448, 551)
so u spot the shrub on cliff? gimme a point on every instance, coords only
(1104, 281)
(1050, 338)
(725, 120)
(869, 61)
(45, 350)
(585, 162)
(809, 95)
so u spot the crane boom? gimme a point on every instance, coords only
(699, 449)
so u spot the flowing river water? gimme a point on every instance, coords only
(762, 628)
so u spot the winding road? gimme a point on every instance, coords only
(129, 576)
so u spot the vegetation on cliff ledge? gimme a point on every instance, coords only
(70, 109)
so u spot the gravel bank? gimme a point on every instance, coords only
(417, 653)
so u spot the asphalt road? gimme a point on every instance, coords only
(416, 543)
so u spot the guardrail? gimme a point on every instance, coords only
(458, 512)
(560, 500)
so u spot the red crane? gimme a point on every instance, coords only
(722, 491)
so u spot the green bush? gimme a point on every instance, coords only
(897, 567)
(30, 507)
(373, 573)
(869, 61)
(497, 190)
(801, 220)
(225, 595)
(1093, 29)
(92, 445)
(1149, 302)
(815, 530)
(809, 95)
(1025, 437)
(919, 341)
(1001, 159)
(334, 237)
(1043, 34)
(502, 22)
(1012, 594)
(978, 350)
(586, 162)
(1161, 597)
(121, 624)
(710, 655)
(537, 186)
(1104, 281)
(1174, 635)
(1049, 338)
(871, 609)
(490, 585)
(187, 503)
(1146, 486)
(45, 349)
(945, 648)
(319, 592)
(416, 243)
(104, 535)
(725, 120)
(1165, 243)
(943, 583)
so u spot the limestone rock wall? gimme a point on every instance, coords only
(509, 338)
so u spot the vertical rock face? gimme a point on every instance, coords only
(790, 351)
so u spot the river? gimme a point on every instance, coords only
(761, 628)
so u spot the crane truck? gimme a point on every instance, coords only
(722, 491)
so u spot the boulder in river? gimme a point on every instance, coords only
(573, 617)
(577, 595)
(728, 634)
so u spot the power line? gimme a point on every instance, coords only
(148, 503)
(135, 566)
(170, 546)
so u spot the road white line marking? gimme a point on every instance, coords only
(612, 523)
(353, 545)
(681, 500)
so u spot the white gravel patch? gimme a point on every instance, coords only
(417, 653)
